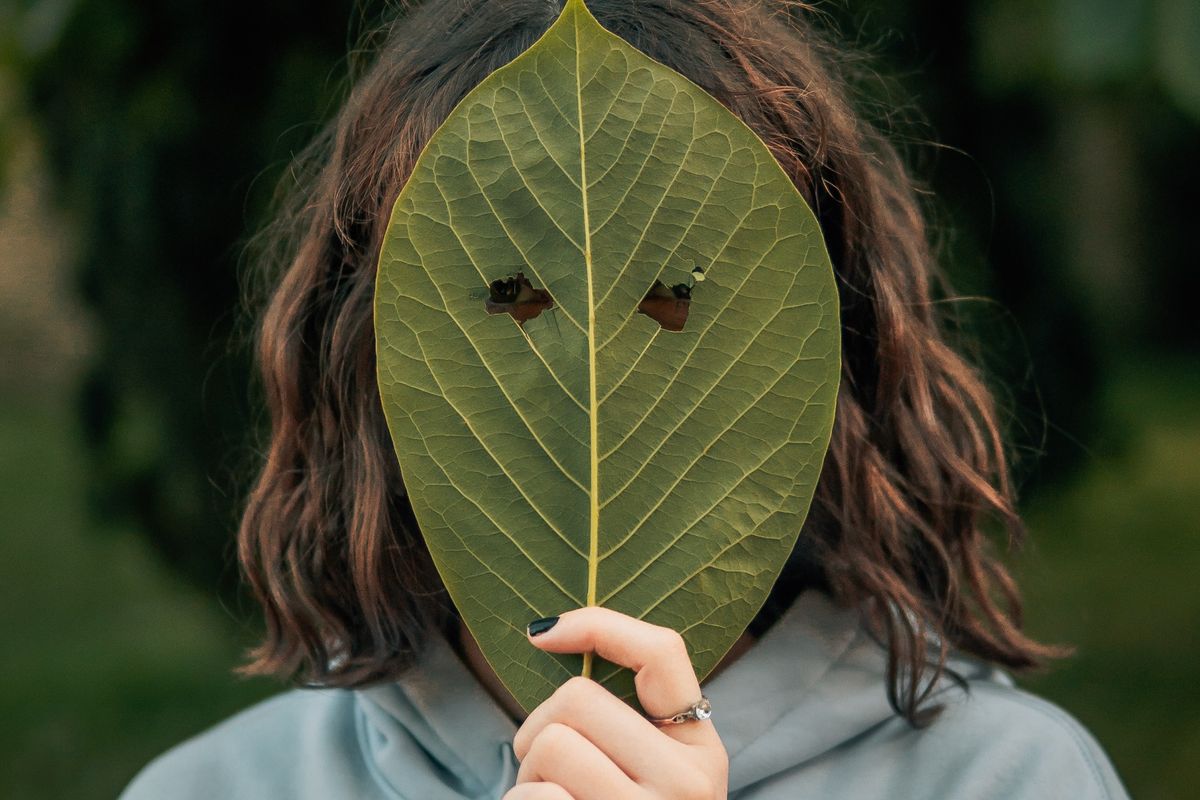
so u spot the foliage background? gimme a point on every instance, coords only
(1060, 140)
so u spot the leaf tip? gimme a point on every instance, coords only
(576, 9)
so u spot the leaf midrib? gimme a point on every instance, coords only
(594, 494)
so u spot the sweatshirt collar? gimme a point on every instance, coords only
(814, 680)
(436, 733)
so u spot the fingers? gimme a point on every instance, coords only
(617, 730)
(537, 791)
(587, 741)
(665, 681)
(563, 756)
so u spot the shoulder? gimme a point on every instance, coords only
(254, 753)
(1002, 741)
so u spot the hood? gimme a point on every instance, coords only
(814, 681)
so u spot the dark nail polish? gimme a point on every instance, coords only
(542, 625)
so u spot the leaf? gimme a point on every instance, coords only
(587, 455)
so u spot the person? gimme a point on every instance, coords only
(879, 665)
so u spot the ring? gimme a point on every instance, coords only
(699, 710)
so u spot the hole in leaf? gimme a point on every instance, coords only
(669, 306)
(517, 297)
(665, 307)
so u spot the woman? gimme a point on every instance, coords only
(875, 667)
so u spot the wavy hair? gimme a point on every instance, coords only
(916, 471)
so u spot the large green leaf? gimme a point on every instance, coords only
(587, 455)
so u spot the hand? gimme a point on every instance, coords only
(585, 743)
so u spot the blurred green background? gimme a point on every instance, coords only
(138, 147)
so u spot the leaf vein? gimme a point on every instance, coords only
(495, 378)
(512, 480)
(646, 564)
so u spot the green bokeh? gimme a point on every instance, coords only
(111, 658)
(1113, 571)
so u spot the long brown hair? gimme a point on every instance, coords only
(916, 469)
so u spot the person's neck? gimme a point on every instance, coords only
(469, 650)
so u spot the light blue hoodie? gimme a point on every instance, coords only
(803, 714)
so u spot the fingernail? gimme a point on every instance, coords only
(540, 626)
